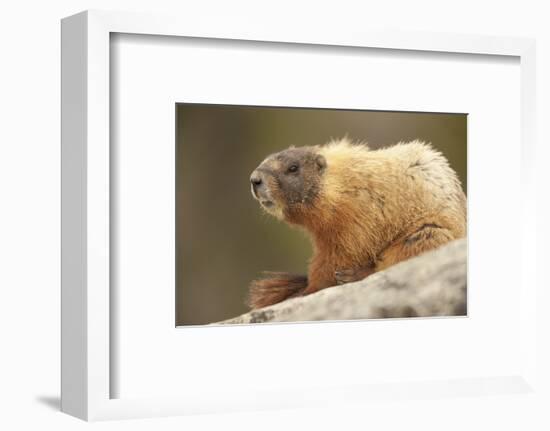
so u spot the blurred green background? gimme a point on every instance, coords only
(223, 239)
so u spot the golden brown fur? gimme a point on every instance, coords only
(364, 210)
(275, 287)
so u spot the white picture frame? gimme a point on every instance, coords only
(87, 341)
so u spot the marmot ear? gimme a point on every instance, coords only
(321, 162)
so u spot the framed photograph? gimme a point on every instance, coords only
(261, 218)
(365, 207)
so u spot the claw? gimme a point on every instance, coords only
(344, 276)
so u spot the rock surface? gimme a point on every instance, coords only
(433, 284)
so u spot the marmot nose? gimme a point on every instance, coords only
(255, 178)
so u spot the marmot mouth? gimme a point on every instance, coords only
(266, 203)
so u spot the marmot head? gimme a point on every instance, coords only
(287, 183)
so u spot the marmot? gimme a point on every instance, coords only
(365, 210)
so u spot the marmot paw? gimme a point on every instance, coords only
(344, 276)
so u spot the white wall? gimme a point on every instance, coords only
(29, 192)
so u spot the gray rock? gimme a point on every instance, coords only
(432, 284)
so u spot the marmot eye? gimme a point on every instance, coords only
(293, 168)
